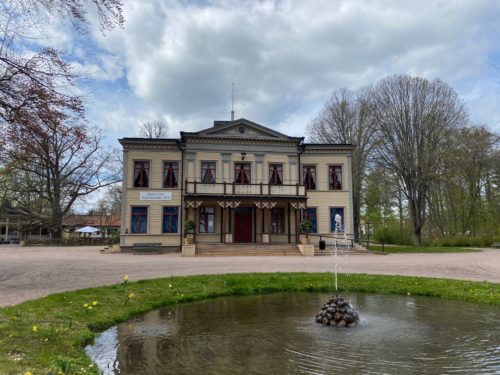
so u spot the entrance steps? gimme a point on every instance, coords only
(246, 249)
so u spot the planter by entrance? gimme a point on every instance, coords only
(189, 239)
(304, 240)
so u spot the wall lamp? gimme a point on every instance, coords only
(243, 154)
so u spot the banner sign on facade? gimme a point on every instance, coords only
(155, 196)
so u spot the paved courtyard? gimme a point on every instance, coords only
(28, 273)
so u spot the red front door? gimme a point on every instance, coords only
(243, 224)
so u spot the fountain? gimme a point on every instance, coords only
(274, 334)
(337, 311)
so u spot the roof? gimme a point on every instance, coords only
(222, 129)
(92, 220)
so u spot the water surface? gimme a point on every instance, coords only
(277, 334)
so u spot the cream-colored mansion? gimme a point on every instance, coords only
(240, 182)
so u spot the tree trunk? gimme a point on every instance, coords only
(417, 237)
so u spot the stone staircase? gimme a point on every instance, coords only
(250, 249)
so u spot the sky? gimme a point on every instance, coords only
(176, 61)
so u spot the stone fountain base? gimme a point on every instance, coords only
(338, 313)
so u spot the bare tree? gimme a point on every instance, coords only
(415, 118)
(58, 157)
(44, 144)
(154, 129)
(24, 74)
(346, 118)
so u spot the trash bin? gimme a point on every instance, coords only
(322, 245)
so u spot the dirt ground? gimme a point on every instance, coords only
(29, 273)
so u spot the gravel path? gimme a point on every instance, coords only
(29, 273)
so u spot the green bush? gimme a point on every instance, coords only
(393, 235)
(463, 241)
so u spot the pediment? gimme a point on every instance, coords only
(242, 128)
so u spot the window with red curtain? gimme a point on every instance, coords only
(208, 172)
(242, 173)
(309, 176)
(335, 177)
(276, 174)
(170, 174)
(141, 173)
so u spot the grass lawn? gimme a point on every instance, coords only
(391, 249)
(47, 336)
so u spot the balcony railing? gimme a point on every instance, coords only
(232, 188)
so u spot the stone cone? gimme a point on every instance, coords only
(338, 312)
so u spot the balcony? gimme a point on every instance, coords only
(229, 189)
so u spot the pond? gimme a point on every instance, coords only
(277, 334)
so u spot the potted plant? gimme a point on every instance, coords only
(305, 227)
(189, 227)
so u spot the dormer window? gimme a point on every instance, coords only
(141, 173)
(208, 175)
(242, 173)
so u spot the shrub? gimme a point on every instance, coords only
(463, 241)
(393, 235)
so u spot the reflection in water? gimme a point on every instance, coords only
(277, 334)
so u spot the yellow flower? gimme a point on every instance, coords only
(170, 285)
(94, 303)
(34, 328)
(28, 373)
(85, 305)
(90, 307)
(131, 295)
(125, 278)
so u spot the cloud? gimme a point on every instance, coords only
(285, 57)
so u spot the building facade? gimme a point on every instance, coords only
(240, 182)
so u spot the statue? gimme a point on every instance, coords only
(338, 223)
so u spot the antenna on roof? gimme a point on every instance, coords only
(232, 102)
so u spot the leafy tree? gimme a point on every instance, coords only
(465, 199)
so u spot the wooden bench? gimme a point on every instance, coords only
(146, 248)
(496, 244)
